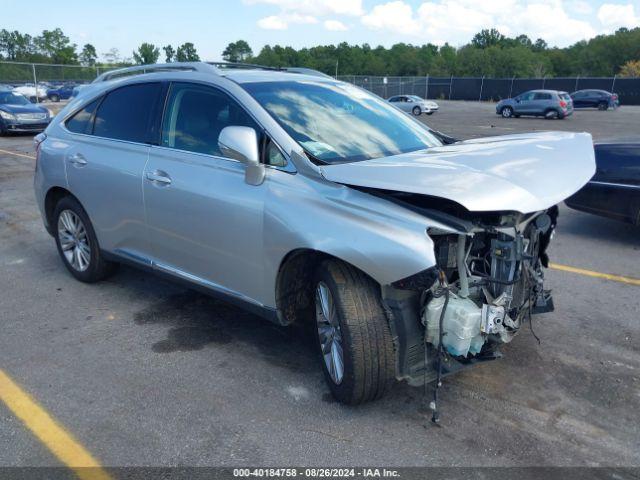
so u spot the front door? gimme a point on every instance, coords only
(205, 222)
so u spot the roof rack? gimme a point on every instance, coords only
(203, 67)
(159, 67)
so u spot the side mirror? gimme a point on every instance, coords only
(241, 143)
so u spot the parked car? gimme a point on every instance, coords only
(76, 90)
(549, 104)
(600, 99)
(414, 104)
(614, 191)
(17, 114)
(62, 92)
(32, 92)
(306, 199)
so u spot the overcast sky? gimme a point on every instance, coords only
(212, 24)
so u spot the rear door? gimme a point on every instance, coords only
(105, 161)
(205, 222)
(542, 101)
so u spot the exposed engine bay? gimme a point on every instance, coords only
(487, 282)
(493, 280)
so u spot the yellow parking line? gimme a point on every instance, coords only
(591, 273)
(18, 154)
(51, 433)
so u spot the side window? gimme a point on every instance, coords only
(393, 99)
(80, 122)
(525, 97)
(125, 113)
(195, 116)
(273, 156)
(542, 96)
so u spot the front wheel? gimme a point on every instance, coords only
(55, 98)
(354, 339)
(430, 113)
(77, 243)
(506, 112)
(603, 106)
(416, 111)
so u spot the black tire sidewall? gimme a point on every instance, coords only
(344, 391)
(416, 111)
(92, 273)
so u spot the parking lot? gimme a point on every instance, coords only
(143, 372)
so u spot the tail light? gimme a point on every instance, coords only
(614, 96)
(563, 104)
(37, 143)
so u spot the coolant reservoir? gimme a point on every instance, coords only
(461, 325)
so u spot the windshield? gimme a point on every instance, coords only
(10, 98)
(338, 123)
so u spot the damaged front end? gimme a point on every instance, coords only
(487, 282)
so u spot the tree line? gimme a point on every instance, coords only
(489, 53)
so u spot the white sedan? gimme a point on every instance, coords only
(32, 92)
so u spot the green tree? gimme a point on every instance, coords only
(88, 56)
(169, 53)
(487, 38)
(147, 53)
(56, 46)
(238, 51)
(187, 53)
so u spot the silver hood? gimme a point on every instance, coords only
(524, 173)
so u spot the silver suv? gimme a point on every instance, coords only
(305, 199)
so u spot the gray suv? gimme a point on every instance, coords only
(549, 104)
(305, 199)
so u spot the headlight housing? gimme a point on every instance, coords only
(7, 115)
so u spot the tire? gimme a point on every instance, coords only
(603, 106)
(96, 268)
(430, 113)
(506, 112)
(358, 324)
(552, 114)
(416, 111)
(55, 98)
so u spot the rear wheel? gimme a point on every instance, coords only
(77, 243)
(506, 112)
(354, 339)
(552, 115)
(416, 111)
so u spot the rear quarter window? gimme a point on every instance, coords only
(80, 122)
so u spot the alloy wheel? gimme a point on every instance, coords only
(329, 333)
(74, 241)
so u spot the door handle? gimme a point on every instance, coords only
(78, 159)
(159, 177)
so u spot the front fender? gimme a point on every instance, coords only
(384, 240)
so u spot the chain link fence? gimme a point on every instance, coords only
(490, 89)
(14, 74)
(443, 88)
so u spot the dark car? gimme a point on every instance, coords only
(614, 191)
(550, 104)
(600, 99)
(62, 92)
(17, 114)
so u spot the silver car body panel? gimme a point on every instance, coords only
(523, 173)
(211, 228)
